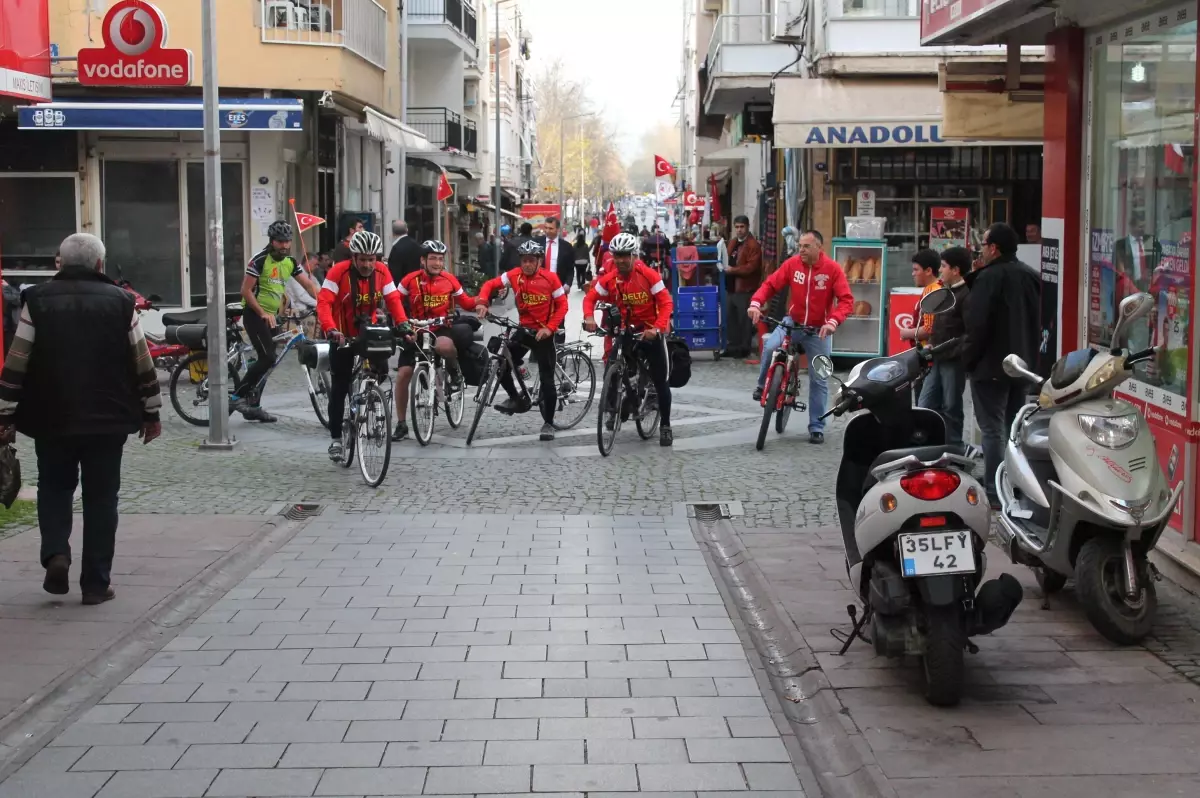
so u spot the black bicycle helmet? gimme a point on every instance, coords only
(279, 231)
(433, 247)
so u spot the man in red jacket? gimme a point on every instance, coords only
(542, 306)
(819, 297)
(639, 293)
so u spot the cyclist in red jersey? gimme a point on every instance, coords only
(349, 297)
(542, 306)
(639, 293)
(431, 292)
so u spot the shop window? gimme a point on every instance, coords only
(1140, 211)
(233, 220)
(326, 208)
(36, 214)
(141, 226)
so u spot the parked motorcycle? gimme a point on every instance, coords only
(165, 355)
(1081, 491)
(914, 522)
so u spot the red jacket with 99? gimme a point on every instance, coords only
(541, 300)
(819, 295)
(642, 297)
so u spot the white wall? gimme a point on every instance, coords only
(435, 76)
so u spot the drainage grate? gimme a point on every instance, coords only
(709, 512)
(299, 512)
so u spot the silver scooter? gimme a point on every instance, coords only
(914, 522)
(1081, 491)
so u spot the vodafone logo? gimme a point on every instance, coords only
(134, 51)
(904, 321)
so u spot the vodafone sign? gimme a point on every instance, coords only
(134, 51)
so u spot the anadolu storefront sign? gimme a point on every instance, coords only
(134, 51)
(903, 134)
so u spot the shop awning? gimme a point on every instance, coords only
(479, 206)
(161, 114)
(730, 156)
(829, 112)
(382, 127)
(981, 21)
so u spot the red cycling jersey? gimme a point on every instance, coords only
(541, 299)
(642, 296)
(819, 293)
(431, 297)
(345, 296)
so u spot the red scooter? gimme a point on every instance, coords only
(165, 356)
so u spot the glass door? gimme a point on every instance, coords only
(141, 226)
(234, 222)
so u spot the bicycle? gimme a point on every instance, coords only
(621, 396)
(368, 418)
(499, 358)
(783, 382)
(575, 384)
(432, 384)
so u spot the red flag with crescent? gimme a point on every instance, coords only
(663, 167)
(612, 225)
(306, 221)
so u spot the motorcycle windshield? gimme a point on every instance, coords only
(1070, 367)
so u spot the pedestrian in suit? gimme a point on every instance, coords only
(560, 255)
(405, 257)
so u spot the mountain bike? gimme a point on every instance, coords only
(432, 384)
(627, 389)
(499, 359)
(367, 424)
(575, 384)
(782, 393)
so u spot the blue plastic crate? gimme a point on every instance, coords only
(689, 320)
(706, 339)
(698, 298)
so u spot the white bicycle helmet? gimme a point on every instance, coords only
(433, 247)
(366, 243)
(623, 244)
(530, 247)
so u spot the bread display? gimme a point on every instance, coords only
(853, 270)
(871, 270)
(862, 308)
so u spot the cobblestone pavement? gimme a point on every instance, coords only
(445, 655)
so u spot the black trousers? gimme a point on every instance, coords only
(262, 338)
(581, 273)
(658, 364)
(62, 464)
(738, 326)
(545, 354)
(341, 373)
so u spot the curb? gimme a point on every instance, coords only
(33, 724)
(841, 760)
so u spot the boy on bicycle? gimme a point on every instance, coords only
(431, 292)
(541, 307)
(639, 293)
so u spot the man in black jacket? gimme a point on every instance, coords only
(1002, 319)
(560, 255)
(79, 387)
(405, 256)
(511, 259)
(946, 381)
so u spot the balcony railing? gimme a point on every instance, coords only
(458, 14)
(445, 129)
(741, 44)
(739, 29)
(876, 9)
(358, 25)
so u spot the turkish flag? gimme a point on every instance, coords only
(612, 225)
(306, 221)
(662, 167)
(445, 190)
(1174, 159)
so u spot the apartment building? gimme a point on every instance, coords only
(811, 111)
(511, 114)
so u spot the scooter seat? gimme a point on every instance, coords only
(177, 318)
(920, 452)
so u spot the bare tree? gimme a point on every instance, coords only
(590, 149)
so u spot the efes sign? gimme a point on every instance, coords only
(902, 134)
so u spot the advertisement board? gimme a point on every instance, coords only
(948, 227)
(902, 311)
(134, 33)
(537, 215)
(940, 17)
(25, 49)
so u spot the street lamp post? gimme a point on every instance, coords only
(562, 129)
(496, 188)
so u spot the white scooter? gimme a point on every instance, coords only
(914, 522)
(1081, 491)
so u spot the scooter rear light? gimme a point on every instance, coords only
(930, 485)
(932, 520)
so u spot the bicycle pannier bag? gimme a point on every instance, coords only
(375, 340)
(681, 362)
(474, 365)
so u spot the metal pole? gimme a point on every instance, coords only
(218, 398)
(496, 188)
(402, 167)
(562, 129)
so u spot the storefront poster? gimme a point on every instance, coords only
(1101, 314)
(948, 227)
(902, 311)
(1048, 348)
(25, 49)
(537, 215)
(1172, 449)
(1171, 318)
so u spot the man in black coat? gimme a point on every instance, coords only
(1002, 319)
(405, 256)
(511, 259)
(560, 254)
(79, 381)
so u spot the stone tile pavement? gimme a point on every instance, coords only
(1052, 709)
(442, 655)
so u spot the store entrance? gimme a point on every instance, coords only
(232, 198)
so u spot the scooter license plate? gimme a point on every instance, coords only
(950, 551)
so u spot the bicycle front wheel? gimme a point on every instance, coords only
(456, 402)
(318, 393)
(773, 391)
(349, 433)
(612, 397)
(483, 397)
(785, 412)
(648, 414)
(422, 401)
(374, 436)
(189, 388)
(575, 375)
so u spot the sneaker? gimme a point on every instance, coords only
(757, 395)
(665, 436)
(973, 451)
(258, 414)
(512, 407)
(92, 599)
(400, 432)
(547, 432)
(816, 437)
(336, 452)
(57, 580)
(610, 422)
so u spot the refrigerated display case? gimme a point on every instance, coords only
(864, 262)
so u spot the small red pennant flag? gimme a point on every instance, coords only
(445, 190)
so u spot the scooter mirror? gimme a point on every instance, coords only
(1018, 369)
(155, 298)
(937, 301)
(822, 366)
(1133, 308)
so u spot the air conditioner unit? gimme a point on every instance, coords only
(789, 18)
(713, 6)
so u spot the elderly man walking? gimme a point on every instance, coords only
(79, 381)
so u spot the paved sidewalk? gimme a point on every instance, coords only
(1053, 709)
(46, 637)
(442, 655)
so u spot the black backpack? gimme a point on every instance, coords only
(680, 360)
